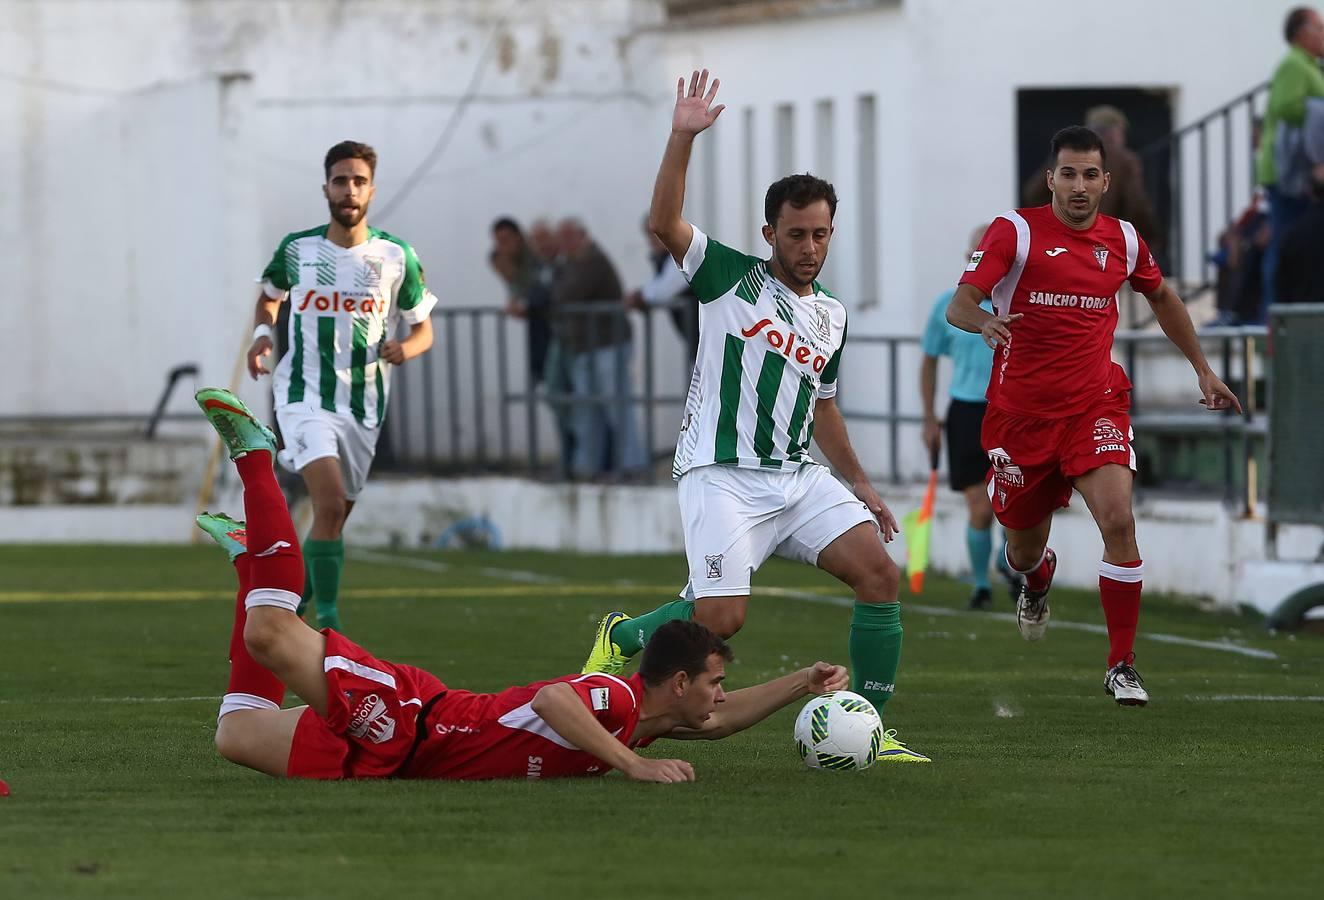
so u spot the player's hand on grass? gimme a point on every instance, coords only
(996, 330)
(693, 113)
(393, 352)
(886, 521)
(257, 353)
(826, 677)
(1217, 395)
(660, 771)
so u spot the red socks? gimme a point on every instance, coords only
(273, 545)
(246, 676)
(1119, 592)
(1038, 577)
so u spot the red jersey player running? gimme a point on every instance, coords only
(367, 718)
(1058, 406)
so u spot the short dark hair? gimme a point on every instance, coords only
(506, 223)
(350, 150)
(799, 191)
(1079, 138)
(680, 646)
(1295, 21)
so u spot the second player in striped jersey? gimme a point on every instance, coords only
(348, 286)
(770, 342)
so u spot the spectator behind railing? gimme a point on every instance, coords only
(1126, 197)
(528, 270)
(1297, 78)
(668, 287)
(1300, 274)
(598, 351)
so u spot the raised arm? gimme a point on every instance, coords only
(562, 708)
(694, 112)
(752, 705)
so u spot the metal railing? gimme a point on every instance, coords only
(471, 404)
(1210, 169)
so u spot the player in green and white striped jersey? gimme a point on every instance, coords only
(770, 343)
(348, 286)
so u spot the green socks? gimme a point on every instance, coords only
(632, 634)
(324, 561)
(875, 651)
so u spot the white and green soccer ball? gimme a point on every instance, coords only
(839, 730)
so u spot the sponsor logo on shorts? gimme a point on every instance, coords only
(370, 720)
(535, 767)
(1004, 470)
(1105, 430)
(714, 565)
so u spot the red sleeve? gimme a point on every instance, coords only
(611, 700)
(993, 257)
(1147, 277)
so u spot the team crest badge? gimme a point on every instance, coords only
(372, 271)
(1101, 254)
(714, 565)
(822, 322)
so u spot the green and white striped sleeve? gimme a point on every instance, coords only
(714, 268)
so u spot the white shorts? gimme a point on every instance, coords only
(735, 519)
(310, 432)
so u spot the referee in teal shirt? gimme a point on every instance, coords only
(967, 464)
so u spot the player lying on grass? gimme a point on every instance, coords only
(367, 718)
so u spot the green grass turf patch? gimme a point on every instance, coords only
(1041, 786)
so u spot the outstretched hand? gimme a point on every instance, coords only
(996, 330)
(694, 109)
(826, 677)
(1217, 395)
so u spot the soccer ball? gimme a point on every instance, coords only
(839, 730)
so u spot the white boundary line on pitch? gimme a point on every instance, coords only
(924, 609)
(430, 565)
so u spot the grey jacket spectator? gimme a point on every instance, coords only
(586, 276)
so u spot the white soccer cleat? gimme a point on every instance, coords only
(1032, 606)
(1124, 684)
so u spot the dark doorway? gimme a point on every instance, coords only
(1042, 111)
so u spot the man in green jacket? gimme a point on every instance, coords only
(1297, 78)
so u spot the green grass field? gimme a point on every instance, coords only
(112, 661)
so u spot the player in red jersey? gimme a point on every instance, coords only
(367, 718)
(1058, 406)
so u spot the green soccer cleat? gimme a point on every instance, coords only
(240, 430)
(893, 751)
(231, 535)
(606, 656)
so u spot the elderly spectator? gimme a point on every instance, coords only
(598, 350)
(1297, 79)
(668, 287)
(1126, 197)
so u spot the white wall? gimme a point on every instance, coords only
(145, 193)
